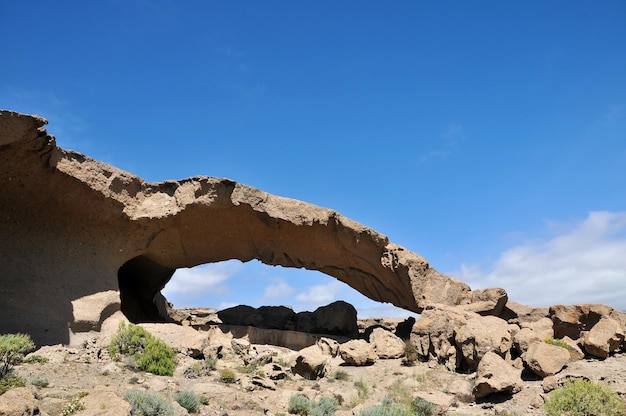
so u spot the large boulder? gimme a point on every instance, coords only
(486, 301)
(311, 363)
(182, 338)
(105, 229)
(338, 318)
(386, 344)
(532, 332)
(572, 320)
(545, 359)
(18, 402)
(604, 338)
(480, 335)
(103, 401)
(357, 352)
(495, 375)
(433, 334)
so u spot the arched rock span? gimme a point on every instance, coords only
(72, 226)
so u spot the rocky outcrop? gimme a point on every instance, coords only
(80, 227)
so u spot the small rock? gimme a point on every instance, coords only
(357, 352)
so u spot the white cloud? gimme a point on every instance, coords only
(321, 294)
(277, 290)
(200, 280)
(584, 262)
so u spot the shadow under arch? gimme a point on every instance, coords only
(140, 282)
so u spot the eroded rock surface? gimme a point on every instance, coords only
(78, 227)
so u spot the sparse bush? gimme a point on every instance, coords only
(227, 375)
(188, 400)
(325, 406)
(558, 342)
(410, 354)
(10, 382)
(148, 353)
(39, 381)
(421, 407)
(299, 404)
(147, 403)
(387, 408)
(75, 405)
(210, 363)
(341, 375)
(203, 400)
(13, 347)
(362, 389)
(157, 358)
(35, 359)
(581, 398)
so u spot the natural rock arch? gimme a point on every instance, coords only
(73, 227)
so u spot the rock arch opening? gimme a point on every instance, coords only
(140, 281)
(232, 283)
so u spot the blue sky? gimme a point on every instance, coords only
(490, 137)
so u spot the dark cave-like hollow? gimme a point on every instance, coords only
(140, 281)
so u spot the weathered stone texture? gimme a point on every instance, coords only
(73, 227)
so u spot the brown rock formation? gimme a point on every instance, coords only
(73, 227)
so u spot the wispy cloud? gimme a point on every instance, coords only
(446, 144)
(321, 294)
(279, 289)
(583, 262)
(198, 281)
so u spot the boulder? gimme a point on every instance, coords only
(386, 344)
(357, 352)
(545, 359)
(103, 401)
(328, 346)
(480, 335)
(486, 301)
(311, 363)
(338, 318)
(18, 402)
(517, 313)
(575, 353)
(495, 375)
(603, 338)
(433, 333)
(242, 315)
(532, 332)
(572, 320)
(277, 317)
(184, 339)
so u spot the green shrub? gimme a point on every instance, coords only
(157, 358)
(10, 382)
(410, 354)
(341, 375)
(387, 408)
(362, 389)
(75, 405)
(299, 404)
(421, 407)
(210, 363)
(35, 359)
(558, 342)
(188, 400)
(326, 406)
(227, 375)
(581, 398)
(148, 353)
(39, 381)
(13, 347)
(147, 403)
